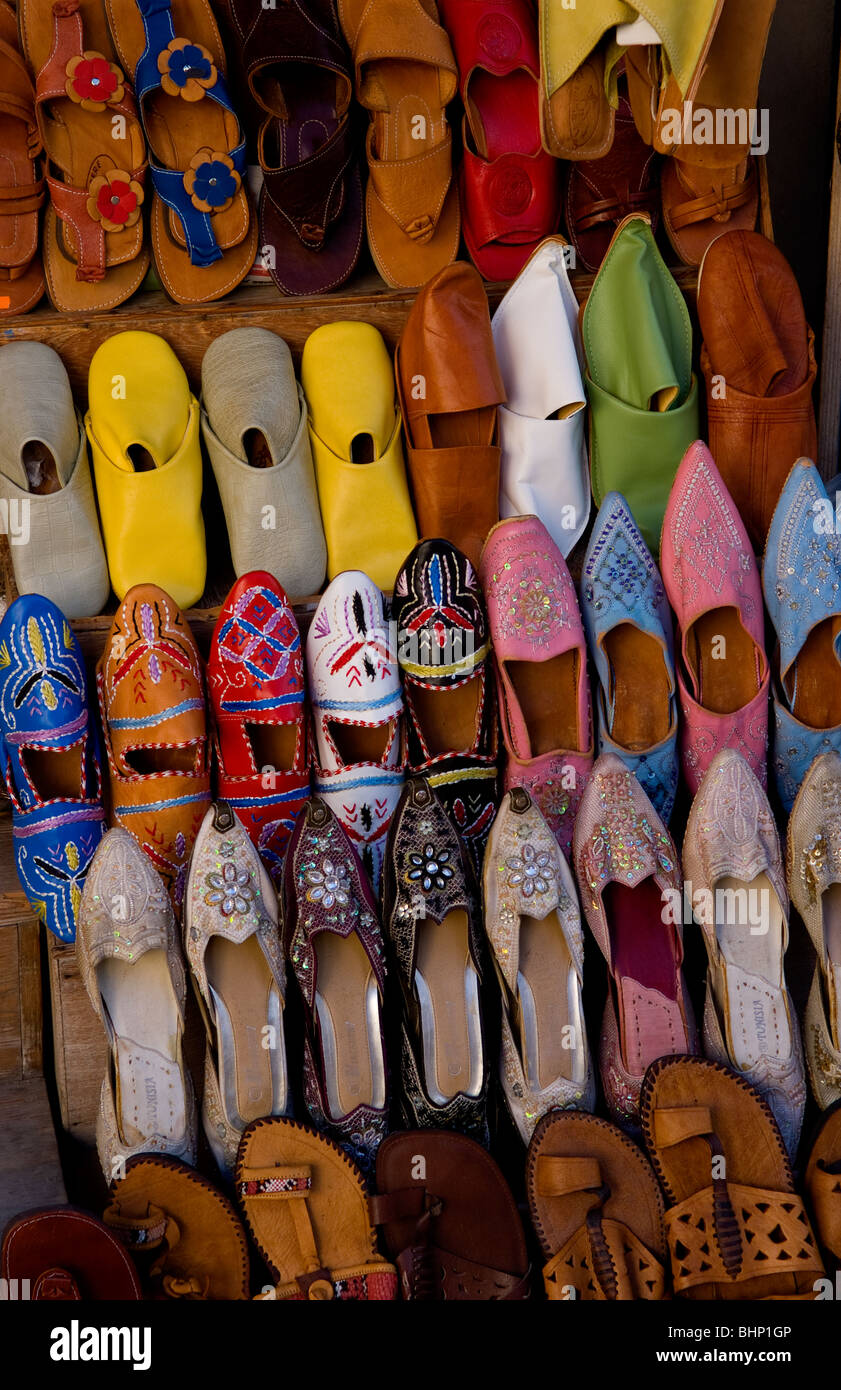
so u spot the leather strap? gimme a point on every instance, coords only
(559, 1176)
(430, 1274)
(21, 199)
(412, 191)
(616, 209)
(401, 1205)
(56, 1285)
(141, 1233)
(718, 204)
(772, 1232)
(673, 1125)
(311, 194)
(825, 1196)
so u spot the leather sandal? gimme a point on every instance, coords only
(66, 1256)
(757, 340)
(306, 1206)
(735, 1225)
(184, 1236)
(601, 193)
(597, 1211)
(94, 256)
(662, 77)
(449, 1222)
(405, 76)
(509, 185)
(451, 423)
(22, 191)
(713, 187)
(203, 229)
(823, 1183)
(297, 70)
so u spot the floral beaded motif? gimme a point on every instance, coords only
(328, 885)
(230, 890)
(625, 845)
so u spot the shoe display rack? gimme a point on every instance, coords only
(51, 1044)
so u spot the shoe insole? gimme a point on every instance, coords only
(54, 773)
(144, 1023)
(257, 451)
(247, 1003)
(175, 759)
(749, 928)
(348, 1009)
(547, 693)
(831, 906)
(38, 461)
(489, 102)
(357, 743)
(448, 717)
(724, 660)
(640, 688)
(274, 745)
(304, 99)
(644, 955)
(814, 684)
(551, 1025)
(447, 987)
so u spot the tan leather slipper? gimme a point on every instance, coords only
(185, 1237)
(823, 1182)
(306, 1206)
(597, 1211)
(735, 1225)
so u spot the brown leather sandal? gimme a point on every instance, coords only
(184, 1236)
(448, 1219)
(597, 1211)
(823, 1183)
(22, 280)
(735, 1225)
(94, 256)
(306, 1206)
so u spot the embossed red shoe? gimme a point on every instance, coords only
(255, 677)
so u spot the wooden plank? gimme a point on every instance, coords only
(10, 1051)
(31, 1001)
(30, 1171)
(79, 1048)
(829, 418)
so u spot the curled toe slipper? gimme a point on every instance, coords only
(184, 1236)
(306, 1206)
(449, 1220)
(823, 1182)
(45, 480)
(22, 188)
(254, 424)
(735, 1225)
(94, 254)
(203, 229)
(405, 76)
(597, 1210)
(148, 466)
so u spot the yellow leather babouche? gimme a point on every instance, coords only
(143, 428)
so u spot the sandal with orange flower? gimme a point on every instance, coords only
(93, 251)
(204, 232)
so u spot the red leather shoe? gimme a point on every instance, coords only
(256, 681)
(509, 186)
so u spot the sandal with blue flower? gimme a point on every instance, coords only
(204, 233)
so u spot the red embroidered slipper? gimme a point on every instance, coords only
(256, 681)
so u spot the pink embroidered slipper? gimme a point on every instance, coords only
(712, 582)
(631, 890)
(541, 668)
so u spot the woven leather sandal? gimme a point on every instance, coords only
(823, 1183)
(306, 1207)
(735, 1225)
(597, 1211)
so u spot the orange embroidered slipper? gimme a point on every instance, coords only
(94, 256)
(21, 186)
(204, 232)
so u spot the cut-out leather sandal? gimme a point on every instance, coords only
(185, 1238)
(298, 72)
(94, 256)
(203, 231)
(823, 1183)
(450, 1221)
(405, 76)
(735, 1225)
(22, 190)
(597, 1211)
(306, 1206)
